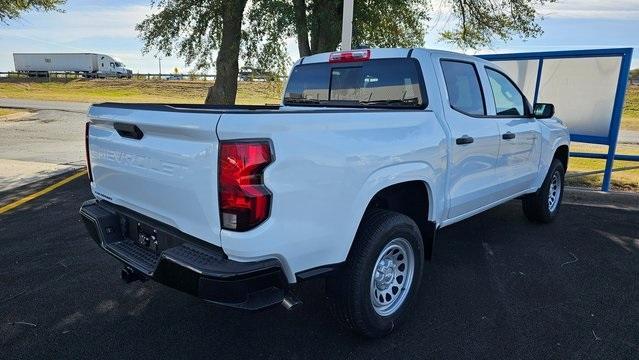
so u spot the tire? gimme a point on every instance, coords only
(543, 206)
(383, 235)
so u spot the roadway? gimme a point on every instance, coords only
(48, 140)
(498, 287)
(66, 106)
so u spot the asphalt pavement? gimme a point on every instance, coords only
(628, 137)
(67, 106)
(498, 287)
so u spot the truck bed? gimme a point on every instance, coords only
(322, 155)
(194, 108)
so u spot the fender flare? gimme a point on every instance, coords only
(393, 175)
(383, 178)
(544, 163)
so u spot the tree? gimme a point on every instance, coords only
(257, 32)
(401, 23)
(479, 22)
(226, 64)
(316, 24)
(378, 23)
(11, 9)
(194, 30)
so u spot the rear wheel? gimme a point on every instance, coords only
(382, 274)
(543, 206)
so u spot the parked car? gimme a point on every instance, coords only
(369, 154)
(87, 64)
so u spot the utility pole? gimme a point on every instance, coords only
(347, 24)
(160, 66)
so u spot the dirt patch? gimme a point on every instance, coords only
(9, 115)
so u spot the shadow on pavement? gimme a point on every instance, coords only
(17, 192)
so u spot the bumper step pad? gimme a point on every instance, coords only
(205, 272)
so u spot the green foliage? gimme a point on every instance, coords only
(11, 9)
(479, 22)
(192, 29)
(377, 23)
(267, 24)
(390, 23)
(634, 74)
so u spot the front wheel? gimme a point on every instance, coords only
(382, 274)
(543, 206)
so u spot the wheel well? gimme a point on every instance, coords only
(562, 155)
(411, 199)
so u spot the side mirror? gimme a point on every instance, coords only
(543, 111)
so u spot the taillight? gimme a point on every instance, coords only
(245, 202)
(86, 149)
(349, 56)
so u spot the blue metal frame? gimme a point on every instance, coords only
(615, 121)
(605, 156)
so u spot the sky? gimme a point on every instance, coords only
(108, 27)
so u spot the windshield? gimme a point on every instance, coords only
(375, 83)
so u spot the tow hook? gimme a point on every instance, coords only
(291, 301)
(129, 275)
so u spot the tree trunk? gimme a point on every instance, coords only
(326, 25)
(224, 91)
(301, 27)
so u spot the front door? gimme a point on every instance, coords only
(520, 149)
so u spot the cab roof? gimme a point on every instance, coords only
(379, 53)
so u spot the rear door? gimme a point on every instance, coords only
(162, 164)
(520, 149)
(475, 137)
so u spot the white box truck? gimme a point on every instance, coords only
(87, 64)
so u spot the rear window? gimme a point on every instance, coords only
(395, 83)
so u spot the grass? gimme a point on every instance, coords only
(182, 91)
(589, 172)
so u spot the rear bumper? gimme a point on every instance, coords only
(183, 262)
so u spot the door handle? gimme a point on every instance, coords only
(128, 131)
(508, 136)
(464, 140)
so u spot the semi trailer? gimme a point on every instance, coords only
(90, 65)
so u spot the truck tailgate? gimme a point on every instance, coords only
(167, 171)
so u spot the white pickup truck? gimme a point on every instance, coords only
(349, 179)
